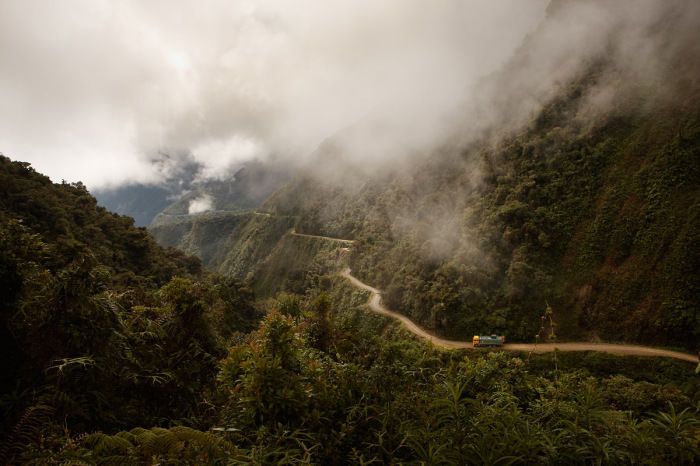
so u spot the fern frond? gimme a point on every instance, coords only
(25, 432)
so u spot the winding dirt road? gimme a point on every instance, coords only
(375, 304)
(327, 238)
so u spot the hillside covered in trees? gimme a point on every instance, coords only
(599, 221)
(225, 334)
(590, 205)
(100, 327)
(110, 359)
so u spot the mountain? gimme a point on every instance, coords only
(140, 202)
(589, 205)
(184, 190)
(249, 186)
(118, 350)
(143, 202)
(202, 220)
(99, 326)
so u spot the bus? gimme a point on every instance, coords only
(488, 340)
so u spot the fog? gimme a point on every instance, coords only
(93, 90)
(97, 91)
(200, 204)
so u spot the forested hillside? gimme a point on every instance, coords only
(589, 205)
(100, 327)
(592, 206)
(562, 203)
(114, 358)
(601, 222)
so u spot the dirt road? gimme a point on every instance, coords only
(375, 303)
(327, 238)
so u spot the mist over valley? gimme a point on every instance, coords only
(402, 232)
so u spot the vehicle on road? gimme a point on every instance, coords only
(488, 340)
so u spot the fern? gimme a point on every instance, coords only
(177, 444)
(26, 431)
(104, 445)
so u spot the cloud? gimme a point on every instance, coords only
(627, 46)
(92, 89)
(217, 153)
(200, 204)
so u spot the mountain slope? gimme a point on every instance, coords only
(590, 207)
(186, 190)
(140, 202)
(246, 189)
(601, 222)
(143, 202)
(100, 327)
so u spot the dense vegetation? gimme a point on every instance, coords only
(117, 350)
(205, 235)
(597, 217)
(600, 222)
(318, 385)
(100, 327)
(233, 243)
(109, 360)
(590, 207)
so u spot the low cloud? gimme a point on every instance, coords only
(200, 204)
(94, 90)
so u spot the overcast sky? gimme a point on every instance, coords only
(91, 90)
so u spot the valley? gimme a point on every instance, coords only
(461, 232)
(375, 304)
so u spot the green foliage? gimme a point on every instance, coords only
(66, 217)
(288, 304)
(375, 396)
(117, 351)
(238, 312)
(268, 374)
(100, 327)
(599, 217)
(296, 264)
(386, 399)
(174, 446)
